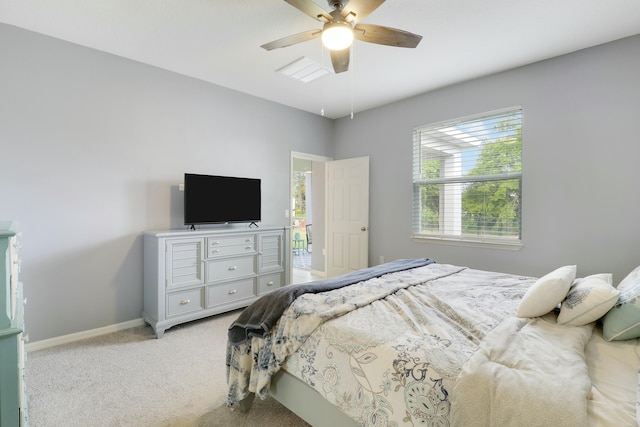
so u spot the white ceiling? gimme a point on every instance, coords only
(219, 41)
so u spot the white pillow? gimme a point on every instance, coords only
(622, 322)
(547, 292)
(588, 300)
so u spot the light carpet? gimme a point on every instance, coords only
(130, 378)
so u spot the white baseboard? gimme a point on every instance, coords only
(66, 339)
(319, 273)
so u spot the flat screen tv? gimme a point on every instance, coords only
(212, 199)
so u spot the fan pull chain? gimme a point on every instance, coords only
(322, 98)
(352, 71)
(322, 84)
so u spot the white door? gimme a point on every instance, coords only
(347, 212)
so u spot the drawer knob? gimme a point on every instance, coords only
(249, 247)
(233, 267)
(270, 284)
(185, 301)
(215, 251)
(215, 242)
(232, 291)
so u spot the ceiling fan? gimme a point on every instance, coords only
(341, 26)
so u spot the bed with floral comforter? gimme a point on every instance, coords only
(396, 350)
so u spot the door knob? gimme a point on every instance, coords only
(363, 228)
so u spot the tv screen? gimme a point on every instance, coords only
(210, 199)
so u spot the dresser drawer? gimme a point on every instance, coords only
(269, 283)
(235, 245)
(184, 302)
(229, 269)
(230, 292)
(270, 258)
(184, 266)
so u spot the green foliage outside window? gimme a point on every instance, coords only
(493, 207)
(491, 196)
(430, 196)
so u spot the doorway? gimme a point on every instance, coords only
(307, 217)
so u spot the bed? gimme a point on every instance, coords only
(414, 342)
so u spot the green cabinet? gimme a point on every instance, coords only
(13, 408)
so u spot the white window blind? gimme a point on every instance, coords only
(467, 178)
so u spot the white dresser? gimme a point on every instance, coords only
(189, 275)
(13, 401)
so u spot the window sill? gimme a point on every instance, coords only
(479, 243)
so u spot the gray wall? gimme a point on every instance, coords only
(92, 149)
(93, 146)
(580, 162)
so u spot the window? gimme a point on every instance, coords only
(467, 179)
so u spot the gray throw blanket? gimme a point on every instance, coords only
(258, 319)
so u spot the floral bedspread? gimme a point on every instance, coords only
(386, 351)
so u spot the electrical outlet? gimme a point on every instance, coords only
(381, 259)
(286, 213)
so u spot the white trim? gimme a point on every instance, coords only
(487, 243)
(319, 273)
(307, 156)
(66, 339)
(314, 158)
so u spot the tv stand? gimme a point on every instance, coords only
(189, 275)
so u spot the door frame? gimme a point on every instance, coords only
(315, 158)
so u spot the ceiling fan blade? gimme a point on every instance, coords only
(357, 10)
(310, 8)
(385, 35)
(290, 40)
(340, 60)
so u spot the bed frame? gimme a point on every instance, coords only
(307, 403)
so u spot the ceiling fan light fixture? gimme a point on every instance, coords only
(337, 35)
